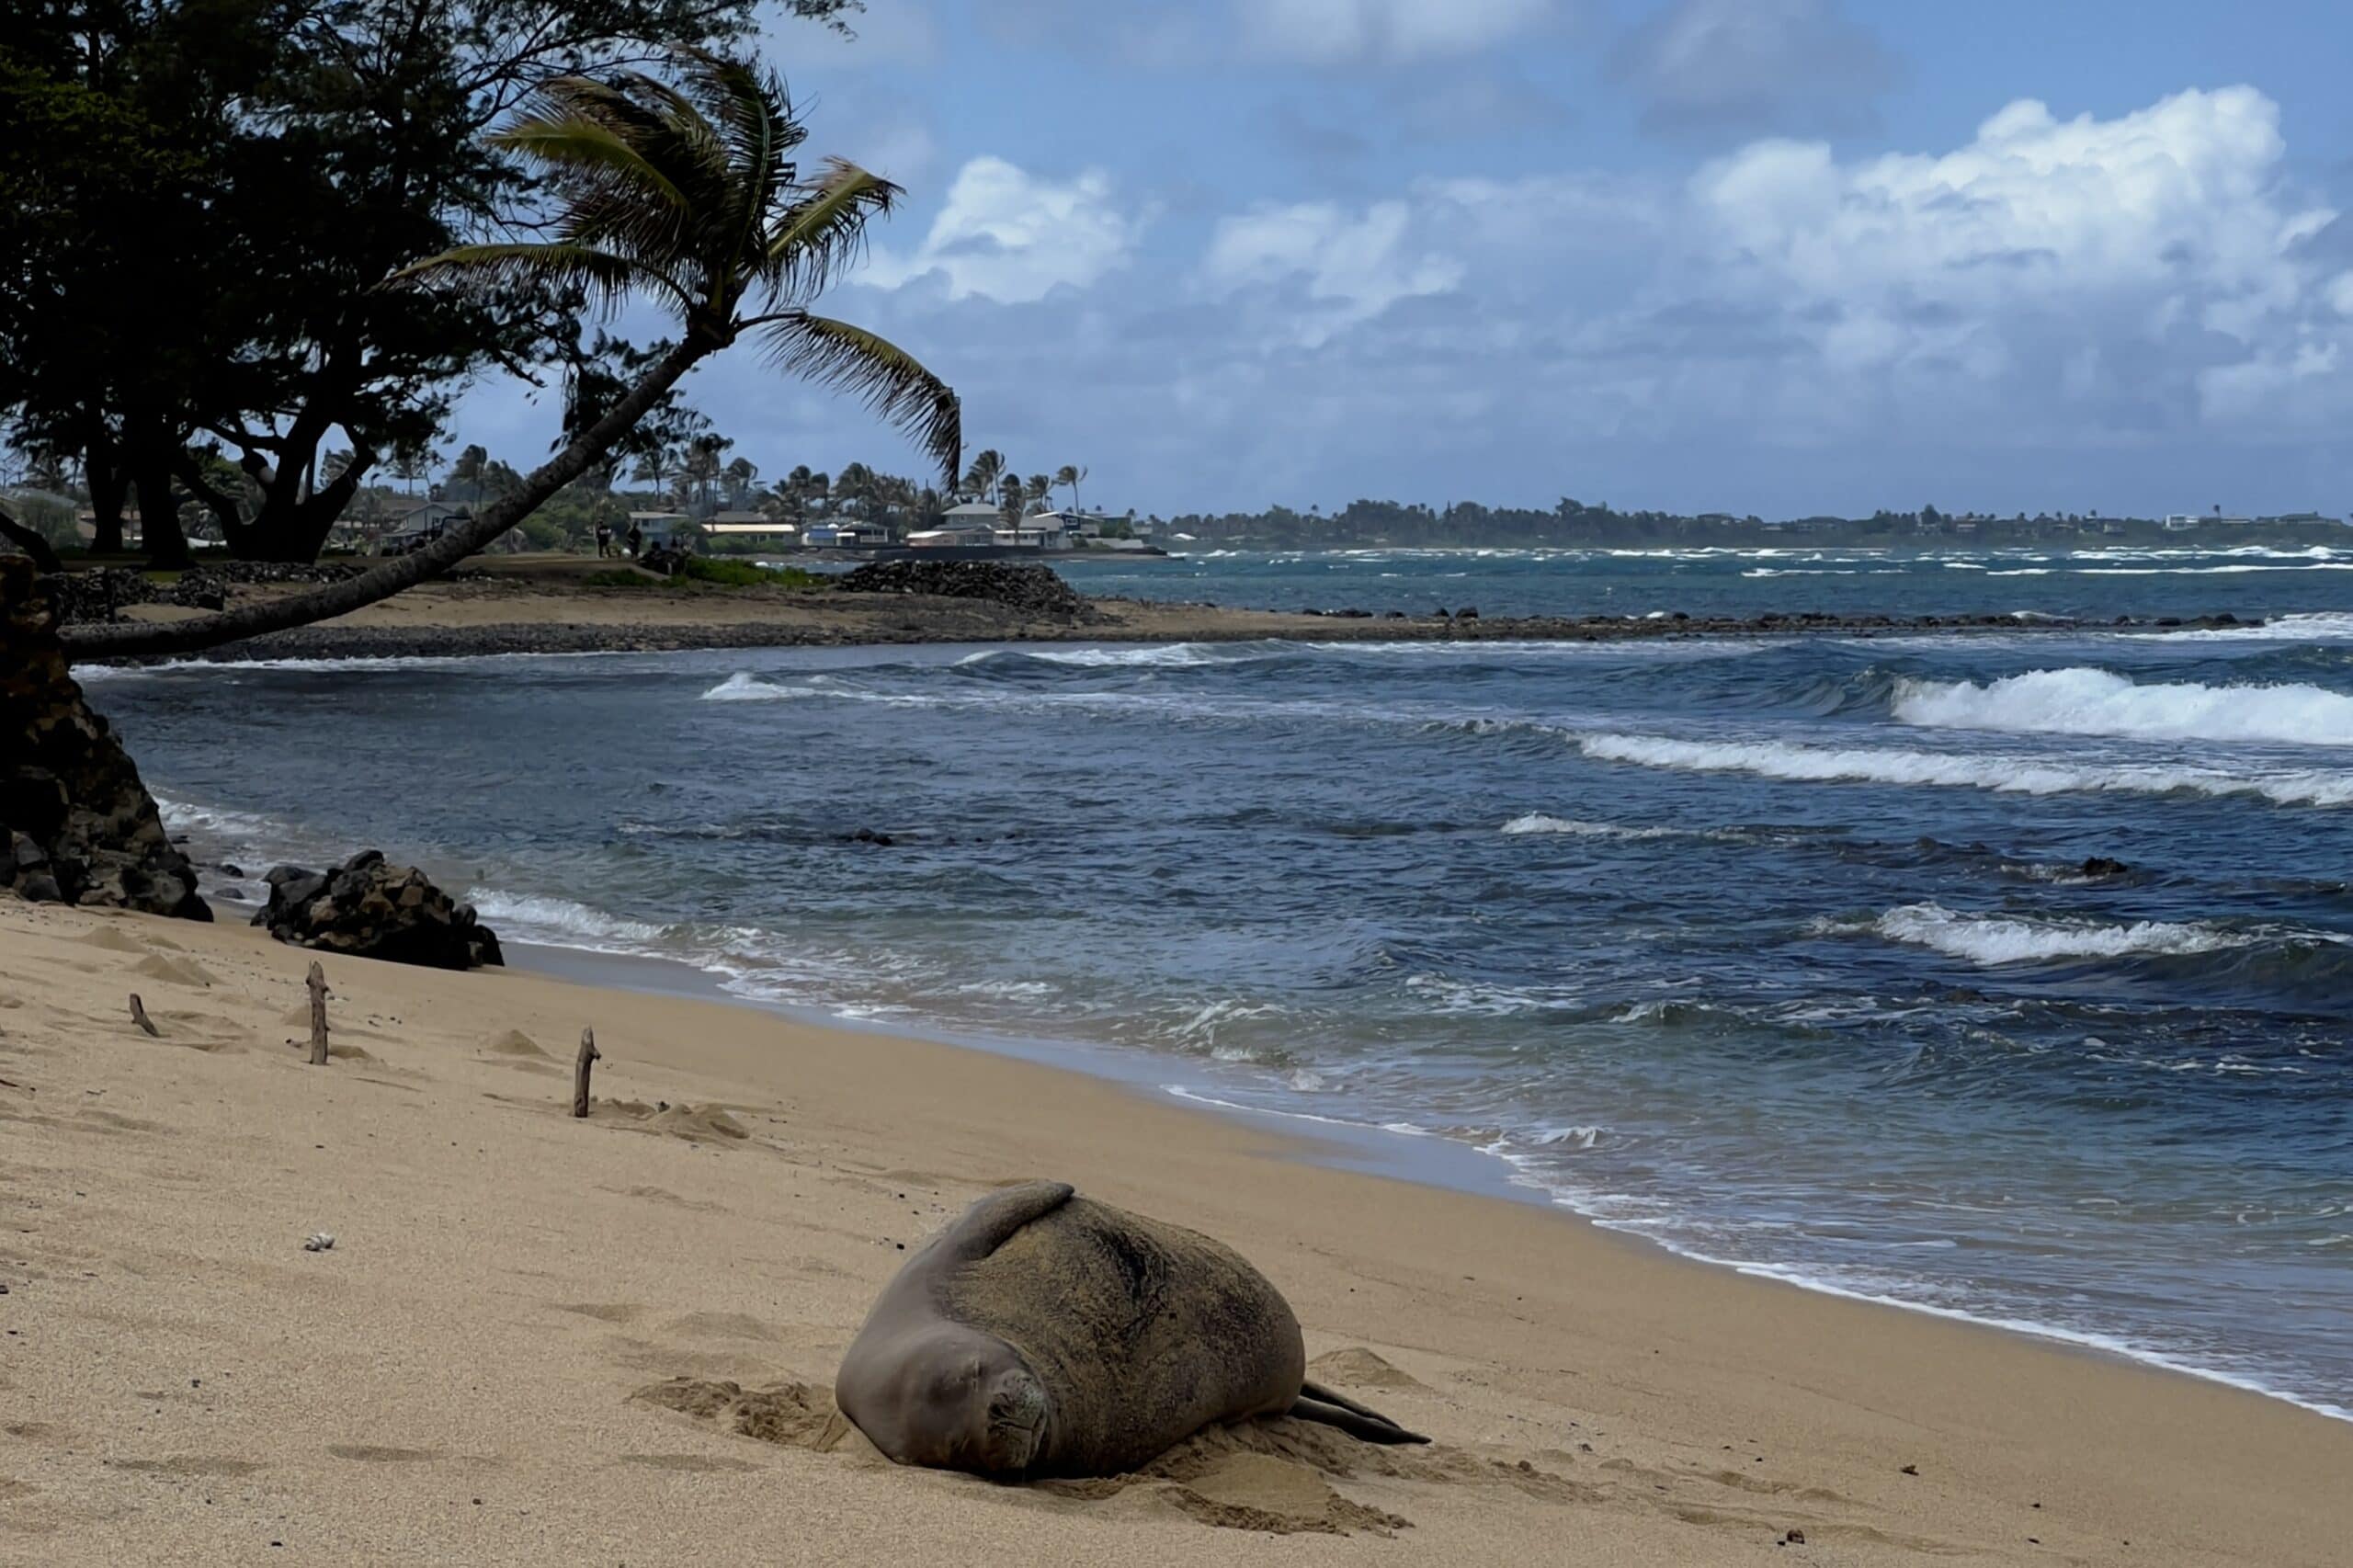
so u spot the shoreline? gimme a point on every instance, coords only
(1663, 1411)
(1416, 1157)
(475, 617)
(1383, 1150)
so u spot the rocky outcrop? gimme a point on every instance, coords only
(1032, 589)
(371, 909)
(86, 598)
(77, 825)
(99, 597)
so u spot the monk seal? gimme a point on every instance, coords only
(1042, 1334)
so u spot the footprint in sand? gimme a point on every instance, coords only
(369, 1453)
(108, 940)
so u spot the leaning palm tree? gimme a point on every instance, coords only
(686, 194)
(1071, 477)
(985, 477)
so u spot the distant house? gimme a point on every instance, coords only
(664, 530)
(420, 525)
(973, 523)
(2301, 518)
(754, 529)
(2180, 522)
(1042, 531)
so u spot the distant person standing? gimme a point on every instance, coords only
(636, 540)
(604, 541)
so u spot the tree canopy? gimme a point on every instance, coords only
(204, 201)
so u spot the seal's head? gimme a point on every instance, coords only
(954, 1398)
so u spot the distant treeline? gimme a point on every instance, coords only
(1575, 524)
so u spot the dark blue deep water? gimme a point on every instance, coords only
(1777, 951)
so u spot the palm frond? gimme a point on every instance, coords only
(752, 116)
(605, 279)
(814, 239)
(886, 377)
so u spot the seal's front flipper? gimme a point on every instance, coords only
(991, 1223)
(1316, 1402)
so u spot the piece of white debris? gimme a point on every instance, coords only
(319, 1241)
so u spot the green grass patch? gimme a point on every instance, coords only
(746, 574)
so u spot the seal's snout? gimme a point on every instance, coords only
(1016, 1420)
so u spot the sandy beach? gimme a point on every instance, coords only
(486, 1366)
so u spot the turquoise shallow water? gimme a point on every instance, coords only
(1780, 952)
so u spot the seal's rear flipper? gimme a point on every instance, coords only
(1316, 1402)
(991, 1223)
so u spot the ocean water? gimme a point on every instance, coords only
(2247, 580)
(1777, 951)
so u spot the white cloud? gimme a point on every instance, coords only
(2138, 233)
(1352, 267)
(1332, 32)
(1009, 236)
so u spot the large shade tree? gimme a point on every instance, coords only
(687, 194)
(219, 190)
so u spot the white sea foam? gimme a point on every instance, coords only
(2318, 627)
(2004, 775)
(1169, 655)
(1537, 823)
(183, 816)
(560, 922)
(745, 687)
(2100, 702)
(1994, 939)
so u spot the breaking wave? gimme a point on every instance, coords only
(1538, 823)
(1994, 939)
(2100, 702)
(560, 921)
(744, 686)
(2004, 775)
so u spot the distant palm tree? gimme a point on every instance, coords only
(985, 478)
(1041, 490)
(1071, 477)
(740, 476)
(690, 194)
(703, 468)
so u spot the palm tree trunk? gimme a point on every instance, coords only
(147, 639)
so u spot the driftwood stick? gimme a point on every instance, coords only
(318, 984)
(139, 1015)
(581, 1068)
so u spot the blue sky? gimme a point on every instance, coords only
(1768, 255)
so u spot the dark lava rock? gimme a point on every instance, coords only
(2100, 866)
(868, 836)
(1032, 589)
(1467, 612)
(77, 825)
(371, 909)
